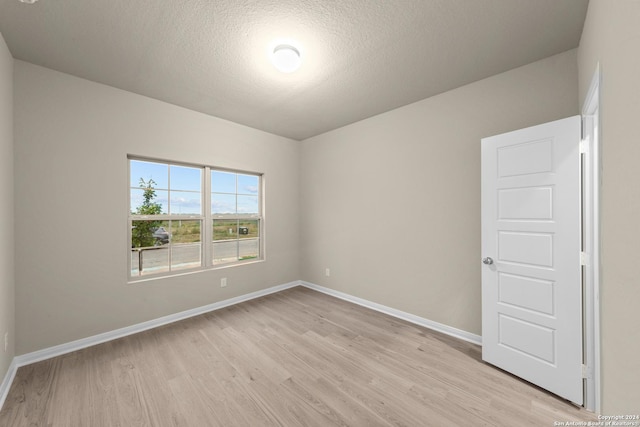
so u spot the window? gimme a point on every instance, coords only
(186, 217)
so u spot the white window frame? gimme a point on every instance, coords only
(206, 217)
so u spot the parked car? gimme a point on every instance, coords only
(161, 235)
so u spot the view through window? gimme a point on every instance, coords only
(185, 217)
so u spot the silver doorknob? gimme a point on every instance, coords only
(487, 260)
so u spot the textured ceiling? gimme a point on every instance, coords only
(362, 57)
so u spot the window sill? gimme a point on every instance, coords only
(154, 277)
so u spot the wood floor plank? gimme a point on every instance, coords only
(30, 394)
(72, 384)
(131, 400)
(101, 385)
(294, 358)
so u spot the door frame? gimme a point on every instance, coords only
(591, 175)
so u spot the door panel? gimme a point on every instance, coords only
(531, 293)
(526, 337)
(533, 203)
(525, 248)
(526, 292)
(525, 158)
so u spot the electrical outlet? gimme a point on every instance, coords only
(6, 341)
(327, 272)
(223, 282)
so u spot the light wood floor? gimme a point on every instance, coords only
(295, 358)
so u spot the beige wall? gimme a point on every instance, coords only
(7, 281)
(611, 36)
(391, 204)
(72, 137)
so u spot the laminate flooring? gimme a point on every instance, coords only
(294, 358)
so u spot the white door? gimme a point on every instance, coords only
(531, 274)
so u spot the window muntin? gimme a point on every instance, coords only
(168, 231)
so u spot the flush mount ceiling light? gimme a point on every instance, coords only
(286, 58)
(28, 1)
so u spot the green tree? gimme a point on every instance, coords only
(142, 231)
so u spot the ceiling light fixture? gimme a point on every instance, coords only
(286, 58)
(28, 1)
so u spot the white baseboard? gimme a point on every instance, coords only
(412, 318)
(58, 350)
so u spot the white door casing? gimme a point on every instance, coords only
(531, 229)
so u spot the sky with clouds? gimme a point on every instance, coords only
(179, 189)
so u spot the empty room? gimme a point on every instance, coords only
(312, 212)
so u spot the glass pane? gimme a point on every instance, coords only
(225, 229)
(158, 172)
(149, 202)
(249, 244)
(186, 244)
(150, 247)
(248, 204)
(249, 249)
(225, 240)
(136, 197)
(149, 233)
(223, 182)
(186, 178)
(225, 251)
(185, 203)
(248, 184)
(154, 260)
(248, 229)
(223, 203)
